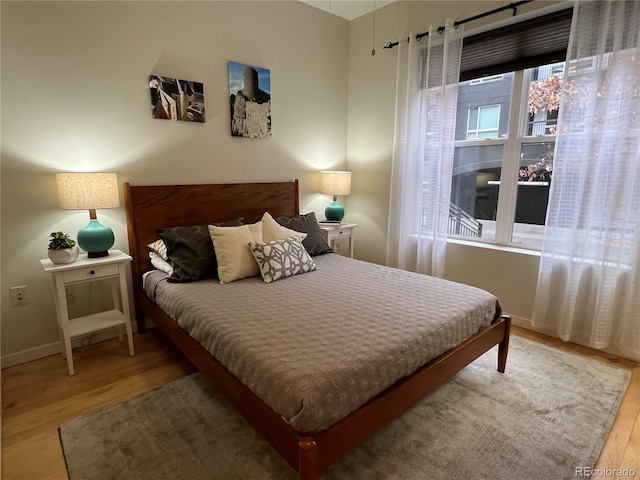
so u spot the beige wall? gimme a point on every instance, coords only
(372, 80)
(75, 97)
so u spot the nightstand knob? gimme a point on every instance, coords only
(92, 272)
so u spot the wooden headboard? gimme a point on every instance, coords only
(156, 206)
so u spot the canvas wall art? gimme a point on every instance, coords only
(175, 99)
(250, 101)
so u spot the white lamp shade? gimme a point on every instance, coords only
(335, 183)
(87, 191)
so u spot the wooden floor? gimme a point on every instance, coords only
(38, 396)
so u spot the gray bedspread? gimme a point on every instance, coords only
(316, 346)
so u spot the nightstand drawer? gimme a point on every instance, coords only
(333, 233)
(341, 233)
(88, 273)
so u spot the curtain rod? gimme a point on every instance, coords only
(512, 6)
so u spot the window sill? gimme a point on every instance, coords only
(492, 246)
(537, 253)
(520, 183)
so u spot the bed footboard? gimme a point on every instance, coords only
(316, 454)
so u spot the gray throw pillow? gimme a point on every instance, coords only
(315, 242)
(190, 251)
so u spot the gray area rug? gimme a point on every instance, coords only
(548, 414)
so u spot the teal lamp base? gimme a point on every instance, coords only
(335, 211)
(96, 239)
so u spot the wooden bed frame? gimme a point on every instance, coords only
(150, 207)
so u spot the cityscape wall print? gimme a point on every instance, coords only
(250, 101)
(175, 99)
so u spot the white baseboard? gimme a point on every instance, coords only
(30, 354)
(56, 348)
(528, 324)
(524, 323)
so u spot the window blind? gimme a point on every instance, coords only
(533, 42)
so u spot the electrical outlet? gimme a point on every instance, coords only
(18, 295)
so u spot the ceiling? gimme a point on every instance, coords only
(348, 9)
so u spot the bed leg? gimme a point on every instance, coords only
(503, 346)
(307, 459)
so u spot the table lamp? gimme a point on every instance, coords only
(335, 183)
(90, 191)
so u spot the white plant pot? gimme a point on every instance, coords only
(65, 255)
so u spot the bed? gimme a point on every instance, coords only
(308, 442)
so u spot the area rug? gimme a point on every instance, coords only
(546, 416)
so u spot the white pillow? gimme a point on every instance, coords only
(160, 264)
(231, 245)
(272, 230)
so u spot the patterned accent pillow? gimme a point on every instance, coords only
(281, 259)
(190, 251)
(315, 242)
(159, 248)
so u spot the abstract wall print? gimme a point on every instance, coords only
(175, 99)
(250, 101)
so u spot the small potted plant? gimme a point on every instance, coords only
(62, 249)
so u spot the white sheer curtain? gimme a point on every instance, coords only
(589, 279)
(426, 98)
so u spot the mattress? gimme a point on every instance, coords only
(316, 346)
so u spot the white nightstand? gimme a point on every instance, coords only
(88, 270)
(334, 232)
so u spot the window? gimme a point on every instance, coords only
(483, 122)
(503, 162)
